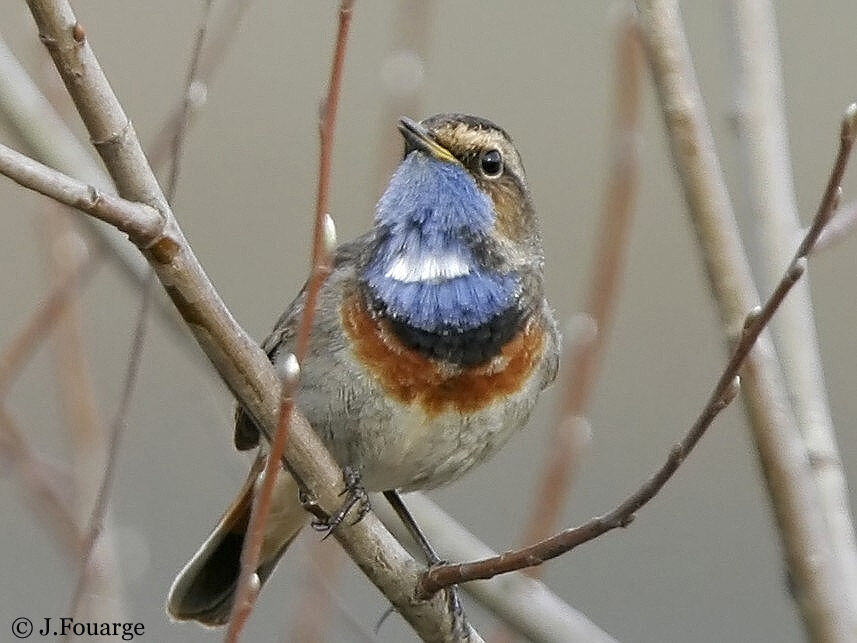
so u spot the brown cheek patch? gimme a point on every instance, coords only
(507, 205)
(411, 377)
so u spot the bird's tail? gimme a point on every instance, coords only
(204, 590)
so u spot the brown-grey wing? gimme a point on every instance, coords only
(279, 341)
(246, 432)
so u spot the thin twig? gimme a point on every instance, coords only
(842, 225)
(187, 104)
(724, 392)
(35, 478)
(18, 350)
(523, 604)
(99, 511)
(319, 269)
(217, 41)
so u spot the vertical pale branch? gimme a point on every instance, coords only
(818, 582)
(763, 137)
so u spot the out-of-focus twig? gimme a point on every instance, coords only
(98, 516)
(211, 50)
(81, 423)
(763, 138)
(16, 352)
(571, 431)
(317, 603)
(784, 462)
(41, 485)
(402, 79)
(95, 526)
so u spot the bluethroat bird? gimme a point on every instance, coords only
(431, 342)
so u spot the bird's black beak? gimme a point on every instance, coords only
(419, 138)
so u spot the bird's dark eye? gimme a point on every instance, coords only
(491, 163)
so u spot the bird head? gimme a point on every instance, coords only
(456, 241)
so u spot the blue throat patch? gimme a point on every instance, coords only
(424, 271)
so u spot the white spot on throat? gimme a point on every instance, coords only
(409, 268)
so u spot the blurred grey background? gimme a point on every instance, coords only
(701, 563)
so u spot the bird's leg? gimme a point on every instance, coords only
(459, 619)
(354, 494)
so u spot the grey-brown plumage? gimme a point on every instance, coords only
(430, 343)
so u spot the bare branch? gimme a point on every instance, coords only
(140, 222)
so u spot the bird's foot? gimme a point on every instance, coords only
(354, 494)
